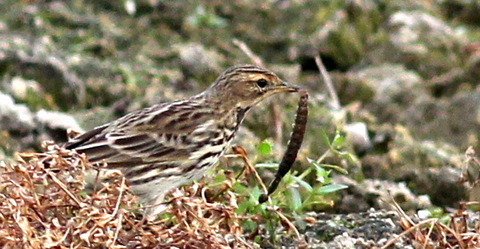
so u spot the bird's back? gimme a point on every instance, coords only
(160, 147)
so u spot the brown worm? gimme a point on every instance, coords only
(293, 146)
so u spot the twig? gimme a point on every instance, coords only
(453, 233)
(292, 227)
(64, 237)
(241, 153)
(242, 46)
(277, 124)
(328, 82)
(117, 231)
(65, 189)
(119, 199)
(429, 233)
(390, 242)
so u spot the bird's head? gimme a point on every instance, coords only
(246, 85)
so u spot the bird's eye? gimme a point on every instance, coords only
(262, 83)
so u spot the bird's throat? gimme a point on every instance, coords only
(240, 116)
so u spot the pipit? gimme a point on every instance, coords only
(170, 144)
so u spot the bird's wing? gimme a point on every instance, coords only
(159, 134)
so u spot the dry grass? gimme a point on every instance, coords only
(463, 229)
(431, 233)
(43, 205)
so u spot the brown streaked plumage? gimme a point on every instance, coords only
(170, 144)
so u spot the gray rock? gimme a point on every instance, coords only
(17, 127)
(417, 32)
(57, 120)
(451, 120)
(197, 59)
(392, 83)
(20, 88)
(16, 117)
(55, 124)
(356, 230)
(35, 60)
(443, 185)
(358, 134)
(374, 193)
(24, 130)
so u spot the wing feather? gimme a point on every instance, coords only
(135, 140)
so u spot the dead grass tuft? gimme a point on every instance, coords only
(43, 204)
(461, 231)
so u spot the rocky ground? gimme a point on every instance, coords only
(406, 74)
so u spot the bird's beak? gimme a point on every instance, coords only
(285, 87)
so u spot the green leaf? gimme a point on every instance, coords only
(218, 179)
(302, 183)
(265, 147)
(320, 171)
(294, 199)
(249, 225)
(325, 138)
(334, 167)
(240, 189)
(330, 188)
(338, 140)
(350, 157)
(243, 207)
(255, 194)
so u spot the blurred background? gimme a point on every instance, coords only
(406, 74)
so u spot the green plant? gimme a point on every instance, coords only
(294, 196)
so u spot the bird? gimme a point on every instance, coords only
(170, 144)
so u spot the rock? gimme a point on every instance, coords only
(418, 39)
(55, 124)
(20, 87)
(198, 60)
(377, 193)
(369, 229)
(358, 135)
(391, 83)
(47, 68)
(416, 32)
(15, 117)
(443, 185)
(392, 88)
(453, 120)
(17, 127)
(23, 130)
